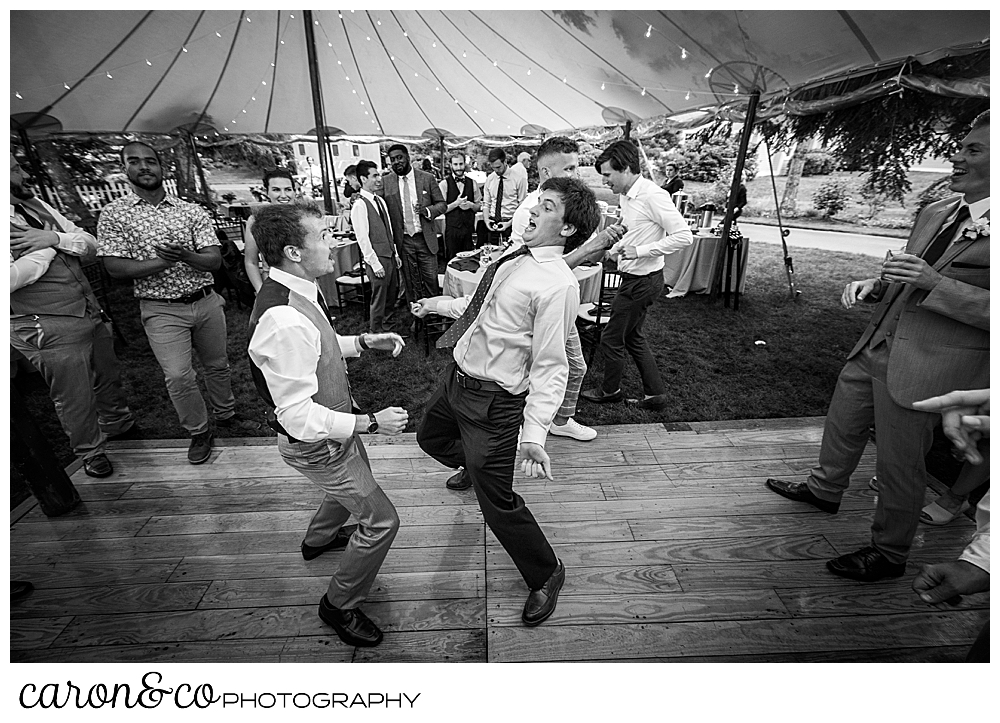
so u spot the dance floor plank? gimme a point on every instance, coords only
(674, 550)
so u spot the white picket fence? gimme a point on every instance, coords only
(97, 197)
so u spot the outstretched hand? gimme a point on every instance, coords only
(387, 342)
(857, 291)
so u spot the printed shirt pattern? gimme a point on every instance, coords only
(130, 227)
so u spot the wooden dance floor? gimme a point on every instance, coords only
(674, 551)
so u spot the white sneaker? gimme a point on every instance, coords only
(573, 429)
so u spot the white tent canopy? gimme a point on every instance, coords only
(470, 73)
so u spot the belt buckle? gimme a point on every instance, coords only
(467, 382)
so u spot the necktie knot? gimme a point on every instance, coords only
(464, 322)
(937, 247)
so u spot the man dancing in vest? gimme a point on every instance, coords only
(299, 370)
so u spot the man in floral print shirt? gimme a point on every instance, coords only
(168, 248)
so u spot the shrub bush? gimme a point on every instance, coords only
(832, 197)
(819, 163)
(935, 191)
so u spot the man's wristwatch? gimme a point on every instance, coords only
(373, 427)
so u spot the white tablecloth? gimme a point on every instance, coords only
(463, 283)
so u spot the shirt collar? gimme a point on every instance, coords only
(302, 287)
(408, 175)
(366, 194)
(133, 199)
(978, 209)
(545, 254)
(634, 190)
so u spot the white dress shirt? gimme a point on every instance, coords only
(519, 338)
(286, 347)
(359, 221)
(978, 551)
(514, 191)
(409, 180)
(30, 267)
(978, 211)
(655, 228)
(73, 240)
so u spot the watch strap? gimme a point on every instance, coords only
(373, 427)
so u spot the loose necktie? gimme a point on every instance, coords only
(411, 226)
(32, 221)
(456, 330)
(942, 240)
(496, 212)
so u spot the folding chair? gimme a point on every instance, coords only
(591, 317)
(353, 286)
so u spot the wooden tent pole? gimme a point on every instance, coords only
(317, 98)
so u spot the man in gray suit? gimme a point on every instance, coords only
(930, 334)
(414, 201)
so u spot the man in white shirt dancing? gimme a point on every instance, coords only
(299, 370)
(510, 368)
(655, 228)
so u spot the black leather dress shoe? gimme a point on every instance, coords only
(542, 603)
(799, 491)
(352, 626)
(598, 396)
(338, 543)
(866, 565)
(98, 466)
(459, 481)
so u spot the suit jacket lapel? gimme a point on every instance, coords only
(923, 236)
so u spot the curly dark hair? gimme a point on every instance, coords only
(278, 225)
(579, 208)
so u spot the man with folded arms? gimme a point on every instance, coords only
(56, 322)
(929, 334)
(655, 229)
(463, 198)
(297, 364)
(509, 368)
(370, 220)
(168, 247)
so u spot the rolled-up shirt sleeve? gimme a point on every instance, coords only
(978, 550)
(73, 240)
(286, 347)
(30, 267)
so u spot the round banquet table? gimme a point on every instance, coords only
(692, 269)
(463, 283)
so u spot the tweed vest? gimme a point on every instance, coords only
(331, 371)
(63, 290)
(457, 217)
(378, 234)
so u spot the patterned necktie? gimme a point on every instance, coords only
(943, 240)
(496, 212)
(32, 221)
(411, 226)
(456, 330)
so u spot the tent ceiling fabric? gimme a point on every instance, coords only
(474, 73)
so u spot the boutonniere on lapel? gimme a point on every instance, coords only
(976, 230)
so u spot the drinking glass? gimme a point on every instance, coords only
(888, 255)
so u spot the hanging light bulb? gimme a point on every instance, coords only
(329, 45)
(494, 63)
(406, 34)
(377, 22)
(66, 86)
(272, 65)
(602, 86)
(434, 45)
(649, 31)
(292, 17)
(263, 82)
(529, 71)
(147, 62)
(315, 22)
(248, 19)
(282, 42)
(643, 92)
(708, 74)
(564, 79)
(218, 34)
(368, 37)
(18, 95)
(108, 74)
(736, 88)
(463, 53)
(184, 49)
(253, 97)
(688, 96)
(339, 15)
(244, 110)
(684, 54)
